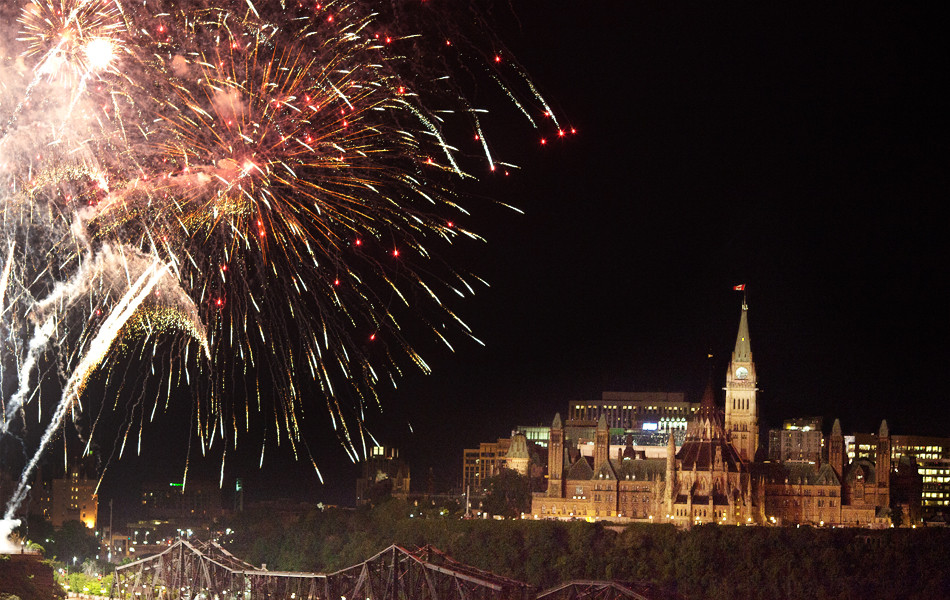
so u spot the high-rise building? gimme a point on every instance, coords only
(74, 499)
(648, 412)
(482, 463)
(799, 440)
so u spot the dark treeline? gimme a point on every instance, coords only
(709, 562)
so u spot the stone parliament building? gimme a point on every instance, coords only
(721, 474)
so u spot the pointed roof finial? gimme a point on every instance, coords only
(557, 421)
(602, 422)
(709, 396)
(743, 351)
(883, 433)
(836, 428)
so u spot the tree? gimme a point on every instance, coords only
(509, 494)
(897, 515)
(73, 542)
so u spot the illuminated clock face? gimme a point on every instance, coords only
(742, 373)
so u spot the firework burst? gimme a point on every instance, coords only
(268, 183)
(71, 38)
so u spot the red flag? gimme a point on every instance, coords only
(739, 287)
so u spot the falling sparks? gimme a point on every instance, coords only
(234, 182)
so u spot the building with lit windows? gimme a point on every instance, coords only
(799, 440)
(537, 435)
(70, 497)
(522, 452)
(649, 412)
(935, 492)
(482, 463)
(74, 499)
(932, 455)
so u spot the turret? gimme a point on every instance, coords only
(836, 450)
(883, 463)
(670, 472)
(555, 457)
(601, 442)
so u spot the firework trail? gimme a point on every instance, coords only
(262, 186)
(122, 312)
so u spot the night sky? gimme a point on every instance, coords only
(795, 149)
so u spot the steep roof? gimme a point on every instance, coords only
(707, 406)
(605, 471)
(707, 423)
(580, 470)
(701, 454)
(628, 451)
(798, 473)
(860, 467)
(836, 428)
(518, 447)
(743, 350)
(706, 437)
(641, 469)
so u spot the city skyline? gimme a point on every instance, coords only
(791, 151)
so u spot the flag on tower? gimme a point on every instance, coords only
(739, 288)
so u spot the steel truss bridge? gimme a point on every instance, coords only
(205, 571)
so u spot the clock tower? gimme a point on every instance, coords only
(742, 411)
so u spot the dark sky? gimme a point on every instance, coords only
(795, 149)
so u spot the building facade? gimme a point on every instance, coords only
(799, 440)
(71, 497)
(656, 412)
(482, 463)
(74, 499)
(932, 456)
(716, 475)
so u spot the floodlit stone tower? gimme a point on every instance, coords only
(883, 465)
(556, 458)
(742, 411)
(836, 449)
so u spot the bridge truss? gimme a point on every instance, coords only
(590, 590)
(206, 571)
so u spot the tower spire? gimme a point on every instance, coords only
(743, 350)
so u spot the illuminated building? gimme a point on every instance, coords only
(649, 412)
(73, 498)
(706, 480)
(518, 453)
(932, 455)
(835, 492)
(799, 440)
(482, 463)
(517, 458)
(742, 410)
(536, 435)
(720, 473)
(68, 497)
(383, 473)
